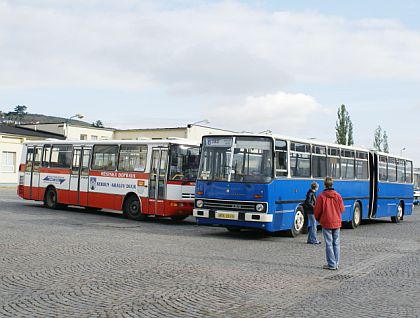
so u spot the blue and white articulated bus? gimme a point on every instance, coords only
(260, 182)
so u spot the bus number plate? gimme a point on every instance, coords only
(230, 216)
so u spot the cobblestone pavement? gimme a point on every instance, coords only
(73, 263)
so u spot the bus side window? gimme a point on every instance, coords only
(300, 160)
(105, 157)
(132, 158)
(281, 158)
(29, 159)
(46, 154)
(400, 171)
(333, 162)
(37, 157)
(392, 169)
(61, 156)
(409, 172)
(319, 161)
(362, 165)
(383, 172)
(347, 164)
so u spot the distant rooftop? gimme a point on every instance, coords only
(26, 132)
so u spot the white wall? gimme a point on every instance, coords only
(150, 133)
(91, 133)
(10, 144)
(191, 132)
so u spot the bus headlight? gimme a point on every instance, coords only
(199, 203)
(259, 207)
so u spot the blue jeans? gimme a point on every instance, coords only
(312, 229)
(332, 246)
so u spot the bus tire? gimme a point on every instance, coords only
(298, 223)
(356, 219)
(131, 208)
(399, 216)
(51, 198)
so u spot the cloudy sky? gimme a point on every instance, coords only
(284, 66)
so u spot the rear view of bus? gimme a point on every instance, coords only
(233, 182)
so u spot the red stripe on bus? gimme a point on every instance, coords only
(55, 170)
(190, 183)
(119, 174)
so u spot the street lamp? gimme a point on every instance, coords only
(402, 151)
(204, 121)
(79, 116)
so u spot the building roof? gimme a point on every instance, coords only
(12, 130)
(70, 124)
(172, 128)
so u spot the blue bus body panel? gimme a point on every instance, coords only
(389, 197)
(283, 197)
(295, 190)
(232, 191)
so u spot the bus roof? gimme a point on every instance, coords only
(310, 141)
(176, 141)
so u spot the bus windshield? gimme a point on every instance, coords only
(251, 160)
(184, 161)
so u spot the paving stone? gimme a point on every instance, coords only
(74, 263)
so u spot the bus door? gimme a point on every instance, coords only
(35, 174)
(27, 189)
(157, 182)
(373, 184)
(79, 178)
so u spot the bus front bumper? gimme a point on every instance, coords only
(233, 215)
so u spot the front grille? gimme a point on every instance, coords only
(230, 205)
(188, 195)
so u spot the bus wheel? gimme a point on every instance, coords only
(131, 208)
(298, 223)
(399, 216)
(51, 199)
(357, 216)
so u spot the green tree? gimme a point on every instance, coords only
(18, 113)
(350, 140)
(378, 139)
(21, 110)
(385, 142)
(98, 123)
(344, 127)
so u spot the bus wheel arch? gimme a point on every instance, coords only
(298, 222)
(51, 198)
(132, 207)
(400, 213)
(357, 215)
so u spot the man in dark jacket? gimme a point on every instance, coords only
(309, 211)
(328, 209)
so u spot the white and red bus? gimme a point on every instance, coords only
(138, 177)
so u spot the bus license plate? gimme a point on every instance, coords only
(230, 216)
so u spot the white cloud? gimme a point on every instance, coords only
(281, 112)
(224, 48)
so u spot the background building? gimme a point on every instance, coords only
(193, 132)
(11, 140)
(73, 132)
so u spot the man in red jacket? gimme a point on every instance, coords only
(328, 209)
